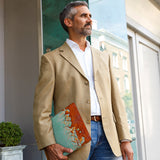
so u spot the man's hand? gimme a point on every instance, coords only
(55, 152)
(126, 150)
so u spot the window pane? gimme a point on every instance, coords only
(110, 35)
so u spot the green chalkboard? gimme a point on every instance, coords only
(53, 33)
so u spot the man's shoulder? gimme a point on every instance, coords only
(56, 52)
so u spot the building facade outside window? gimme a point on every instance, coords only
(118, 81)
(115, 60)
(126, 83)
(125, 65)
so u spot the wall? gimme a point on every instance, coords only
(2, 61)
(21, 68)
(144, 13)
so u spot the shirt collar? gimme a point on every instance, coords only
(73, 44)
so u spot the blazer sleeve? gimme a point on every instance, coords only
(118, 108)
(42, 107)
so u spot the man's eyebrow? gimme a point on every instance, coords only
(85, 14)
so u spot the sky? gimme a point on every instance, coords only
(110, 15)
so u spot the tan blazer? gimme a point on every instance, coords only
(63, 81)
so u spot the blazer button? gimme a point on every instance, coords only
(88, 121)
(88, 101)
(86, 82)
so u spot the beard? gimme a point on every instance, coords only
(86, 31)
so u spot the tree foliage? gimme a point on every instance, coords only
(128, 104)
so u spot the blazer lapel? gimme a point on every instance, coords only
(67, 54)
(96, 62)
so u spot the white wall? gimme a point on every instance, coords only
(2, 61)
(21, 68)
(144, 13)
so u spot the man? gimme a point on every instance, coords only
(76, 72)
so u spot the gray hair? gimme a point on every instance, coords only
(69, 12)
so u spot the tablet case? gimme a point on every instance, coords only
(69, 129)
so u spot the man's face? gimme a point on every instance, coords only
(82, 23)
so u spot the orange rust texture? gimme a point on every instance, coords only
(78, 123)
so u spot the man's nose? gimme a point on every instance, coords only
(89, 19)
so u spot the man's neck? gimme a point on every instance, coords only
(80, 41)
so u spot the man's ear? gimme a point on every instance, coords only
(68, 22)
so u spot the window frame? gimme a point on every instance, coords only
(133, 28)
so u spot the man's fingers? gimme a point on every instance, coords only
(123, 156)
(68, 150)
(127, 151)
(130, 156)
(55, 152)
(62, 157)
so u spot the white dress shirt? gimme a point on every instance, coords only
(85, 60)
